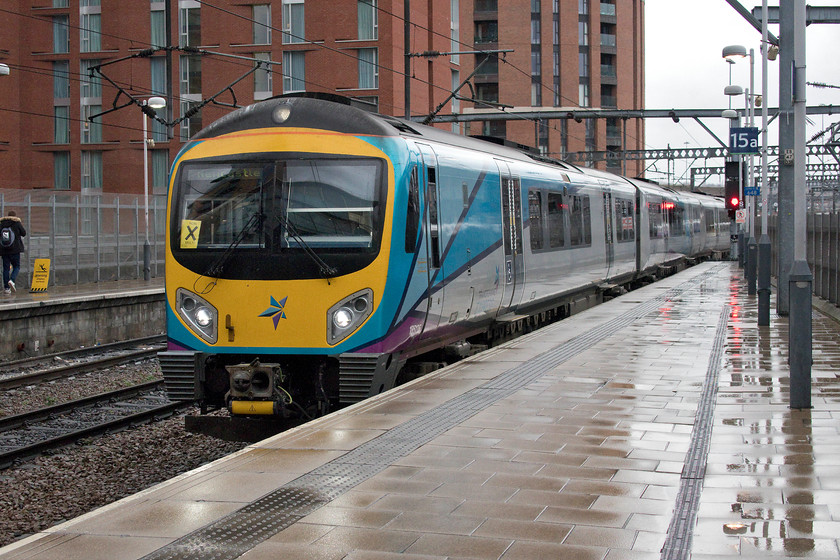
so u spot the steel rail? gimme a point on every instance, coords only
(74, 369)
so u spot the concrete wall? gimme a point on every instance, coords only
(35, 328)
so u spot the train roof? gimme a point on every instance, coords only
(328, 113)
(340, 114)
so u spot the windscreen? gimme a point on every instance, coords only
(322, 209)
(330, 203)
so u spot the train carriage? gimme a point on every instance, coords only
(318, 254)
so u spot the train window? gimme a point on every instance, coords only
(556, 221)
(535, 219)
(675, 216)
(656, 219)
(710, 220)
(412, 219)
(580, 221)
(625, 226)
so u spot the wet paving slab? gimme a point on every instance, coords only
(663, 432)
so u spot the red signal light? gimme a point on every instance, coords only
(734, 202)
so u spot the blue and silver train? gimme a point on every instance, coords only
(318, 254)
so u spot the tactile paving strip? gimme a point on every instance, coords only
(678, 542)
(240, 531)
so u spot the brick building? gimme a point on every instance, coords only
(568, 53)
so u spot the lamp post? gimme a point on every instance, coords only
(731, 53)
(148, 107)
(764, 253)
(731, 91)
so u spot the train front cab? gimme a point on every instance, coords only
(255, 320)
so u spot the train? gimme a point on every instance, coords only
(318, 253)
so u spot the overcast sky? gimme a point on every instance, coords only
(684, 69)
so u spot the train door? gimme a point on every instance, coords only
(513, 275)
(609, 235)
(431, 225)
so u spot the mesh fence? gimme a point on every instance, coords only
(88, 238)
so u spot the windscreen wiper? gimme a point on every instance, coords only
(326, 270)
(216, 269)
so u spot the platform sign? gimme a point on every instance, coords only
(752, 191)
(40, 276)
(743, 140)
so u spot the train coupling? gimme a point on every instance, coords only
(256, 389)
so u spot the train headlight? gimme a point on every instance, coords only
(204, 317)
(347, 315)
(343, 318)
(199, 314)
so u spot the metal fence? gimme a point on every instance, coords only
(87, 237)
(823, 252)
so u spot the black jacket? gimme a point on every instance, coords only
(17, 226)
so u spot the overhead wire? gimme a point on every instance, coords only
(539, 122)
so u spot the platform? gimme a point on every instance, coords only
(69, 317)
(653, 426)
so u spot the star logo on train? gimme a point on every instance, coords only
(275, 310)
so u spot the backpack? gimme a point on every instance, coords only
(7, 236)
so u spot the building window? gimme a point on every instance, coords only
(262, 77)
(90, 28)
(583, 64)
(90, 102)
(454, 30)
(189, 23)
(262, 24)
(583, 95)
(61, 81)
(191, 125)
(368, 68)
(158, 25)
(158, 74)
(583, 33)
(487, 92)
(608, 96)
(456, 103)
(190, 91)
(61, 124)
(61, 171)
(293, 22)
(91, 130)
(61, 34)
(160, 169)
(294, 71)
(486, 32)
(368, 20)
(91, 84)
(92, 171)
(60, 3)
(191, 75)
(583, 7)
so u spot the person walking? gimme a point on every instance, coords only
(12, 233)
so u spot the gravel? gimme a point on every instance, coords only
(77, 479)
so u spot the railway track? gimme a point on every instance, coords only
(43, 368)
(25, 435)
